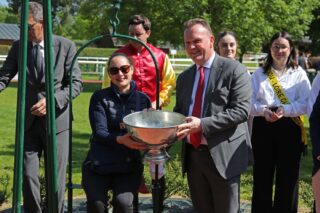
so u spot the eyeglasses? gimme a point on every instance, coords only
(279, 47)
(30, 26)
(115, 70)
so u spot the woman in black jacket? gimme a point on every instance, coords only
(113, 161)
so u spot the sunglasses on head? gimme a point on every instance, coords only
(115, 70)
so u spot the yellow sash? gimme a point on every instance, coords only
(284, 100)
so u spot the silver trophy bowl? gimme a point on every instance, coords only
(157, 129)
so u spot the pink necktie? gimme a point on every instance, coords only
(195, 138)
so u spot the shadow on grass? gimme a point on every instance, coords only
(8, 153)
(87, 87)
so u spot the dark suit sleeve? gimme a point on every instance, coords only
(10, 67)
(237, 108)
(62, 95)
(177, 107)
(315, 127)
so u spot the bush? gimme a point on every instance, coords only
(4, 49)
(4, 194)
(175, 183)
(306, 194)
(97, 52)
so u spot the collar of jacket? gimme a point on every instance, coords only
(117, 93)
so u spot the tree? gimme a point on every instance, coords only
(254, 21)
(314, 32)
(7, 17)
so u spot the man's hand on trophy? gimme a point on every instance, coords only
(192, 125)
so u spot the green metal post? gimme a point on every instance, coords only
(51, 161)
(20, 115)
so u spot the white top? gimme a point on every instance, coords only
(41, 44)
(294, 83)
(207, 68)
(314, 93)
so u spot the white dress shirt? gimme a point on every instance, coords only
(207, 69)
(294, 83)
(41, 44)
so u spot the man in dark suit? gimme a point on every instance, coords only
(35, 112)
(218, 148)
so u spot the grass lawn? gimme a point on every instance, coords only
(81, 133)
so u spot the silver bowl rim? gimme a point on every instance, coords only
(167, 127)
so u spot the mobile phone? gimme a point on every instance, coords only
(273, 108)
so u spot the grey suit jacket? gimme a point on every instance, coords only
(63, 53)
(225, 112)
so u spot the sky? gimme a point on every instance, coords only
(3, 3)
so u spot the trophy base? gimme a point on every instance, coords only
(156, 155)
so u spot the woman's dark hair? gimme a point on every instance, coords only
(224, 33)
(116, 54)
(292, 59)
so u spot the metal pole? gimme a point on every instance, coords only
(20, 115)
(51, 161)
(155, 191)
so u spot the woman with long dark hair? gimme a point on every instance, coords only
(227, 44)
(280, 94)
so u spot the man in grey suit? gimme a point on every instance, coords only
(35, 112)
(215, 158)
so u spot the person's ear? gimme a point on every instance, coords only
(148, 32)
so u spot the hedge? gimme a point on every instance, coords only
(90, 52)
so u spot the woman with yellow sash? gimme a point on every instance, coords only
(280, 95)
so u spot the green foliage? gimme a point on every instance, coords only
(89, 51)
(305, 194)
(97, 52)
(7, 17)
(254, 21)
(4, 192)
(314, 32)
(4, 49)
(175, 183)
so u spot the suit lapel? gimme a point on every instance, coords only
(31, 72)
(55, 49)
(215, 72)
(189, 78)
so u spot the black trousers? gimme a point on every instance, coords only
(277, 151)
(124, 188)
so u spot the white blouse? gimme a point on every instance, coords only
(294, 83)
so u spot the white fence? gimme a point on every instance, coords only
(96, 65)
